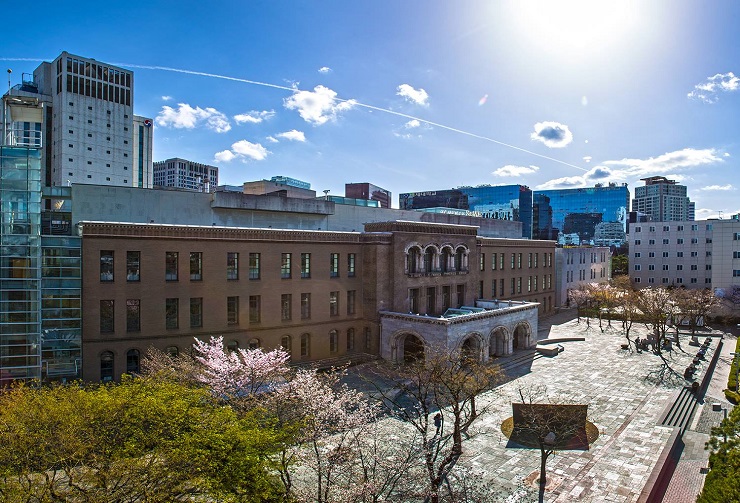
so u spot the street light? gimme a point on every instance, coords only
(716, 407)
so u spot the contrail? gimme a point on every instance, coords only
(354, 102)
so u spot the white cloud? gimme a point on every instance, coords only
(292, 135)
(324, 69)
(680, 159)
(254, 117)
(727, 154)
(412, 124)
(511, 170)
(587, 158)
(418, 96)
(718, 187)
(318, 106)
(552, 134)
(272, 139)
(708, 91)
(166, 98)
(224, 156)
(243, 150)
(187, 117)
(597, 174)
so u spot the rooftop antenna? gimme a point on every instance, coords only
(326, 194)
(9, 72)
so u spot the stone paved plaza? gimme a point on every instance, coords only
(625, 401)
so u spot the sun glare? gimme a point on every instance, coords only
(576, 27)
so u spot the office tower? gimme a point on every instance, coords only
(184, 174)
(663, 200)
(368, 191)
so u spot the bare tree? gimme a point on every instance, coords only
(658, 307)
(436, 396)
(548, 426)
(581, 297)
(694, 306)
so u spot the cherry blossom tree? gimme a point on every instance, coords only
(241, 373)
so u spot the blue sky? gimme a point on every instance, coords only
(424, 95)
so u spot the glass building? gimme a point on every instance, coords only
(577, 216)
(20, 274)
(503, 202)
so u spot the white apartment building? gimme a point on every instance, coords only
(663, 200)
(88, 128)
(672, 254)
(576, 266)
(185, 174)
(726, 253)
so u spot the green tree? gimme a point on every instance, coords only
(142, 440)
(723, 480)
(620, 265)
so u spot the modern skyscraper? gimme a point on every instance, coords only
(368, 191)
(502, 202)
(88, 125)
(577, 213)
(663, 200)
(185, 174)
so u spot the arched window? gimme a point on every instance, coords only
(232, 345)
(305, 345)
(254, 343)
(287, 344)
(412, 260)
(172, 351)
(444, 260)
(460, 259)
(429, 260)
(132, 361)
(106, 366)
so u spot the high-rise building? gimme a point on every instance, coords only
(87, 127)
(368, 191)
(663, 200)
(577, 213)
(502, 202)
(184, 174)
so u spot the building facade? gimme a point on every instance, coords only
(577, 266)
(504, 202)
(319, 294)
(368, 191)
(572, 215)
(86, 124)
(184, 174)
(663, 200)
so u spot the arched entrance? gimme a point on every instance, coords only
(498, 344)
(521, 336)
(412, 348)
(470, 348)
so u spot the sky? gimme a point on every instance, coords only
(423, 95)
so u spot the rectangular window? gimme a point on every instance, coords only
(305, 265)
(736, 273)
(651, 267)
(333, 265)
(513, 286)
(196, 312)
(460, 295)
(133, 263)
(637, 241)
(431, 300)
(535, 260)
(482, 261)
(196, 266)
(665, 241)
(529, 261)
(333, 303)
(414, 300)
(519, 261)
(368, 338)
(535, 283)
(107, 312)
(351, 265)
(519, 285)
(133, 315)
(708, 267)
(351, 296)
(170, 266)
(254, 266)
(350, 339)
(501, 262)
(445, 298)
(679, 241)
(232, 310)
(651, 242)
(694, 267)
(665, 254)
(286, 307)
(305, 306)
(513, 260)
(285, 271)
(637, 254)
(665, 267)
(232, 265)
(106, 265)
(172, 313)
(493, 289)
(333, 341)
(679, 254)
(254, 309)
(736, 254)
(305, 345)
(493, 262)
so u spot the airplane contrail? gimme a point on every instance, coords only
(354, 102)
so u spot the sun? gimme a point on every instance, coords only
(575, 27)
